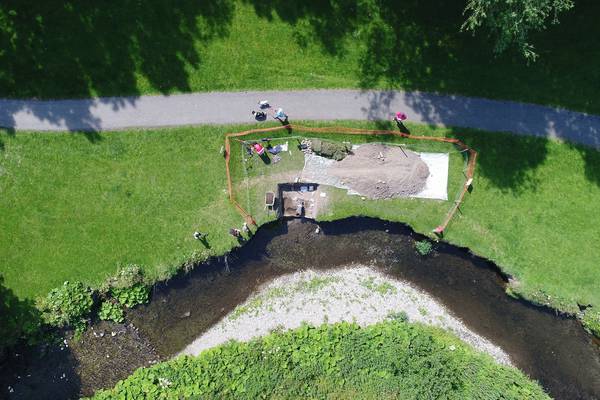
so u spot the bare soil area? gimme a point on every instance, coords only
(378, 171)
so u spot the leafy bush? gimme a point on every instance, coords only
(68, 305)
(424, 247)
(128, 286)
(387, 360)
(110, 311)
(131, 296)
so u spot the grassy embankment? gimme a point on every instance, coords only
(389, 360)
(55, 49)
(75, 208)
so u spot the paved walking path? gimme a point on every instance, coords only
(234, 107)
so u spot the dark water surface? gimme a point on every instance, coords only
(554, 350)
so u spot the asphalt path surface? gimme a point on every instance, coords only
(113, 113)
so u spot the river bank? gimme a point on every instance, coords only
(549, 348)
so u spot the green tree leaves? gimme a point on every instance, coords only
(512, 21)
(388, 360)
(67, 306)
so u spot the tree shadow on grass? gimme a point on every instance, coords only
(418, 45)
(507, 161)
(26, 372)
(591, 159)
(85, 49)
(329, 22)
(5, 132)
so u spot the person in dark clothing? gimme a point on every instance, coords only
(259, 115)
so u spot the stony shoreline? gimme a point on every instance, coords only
(355, 294)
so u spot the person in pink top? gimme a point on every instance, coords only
(399, 117)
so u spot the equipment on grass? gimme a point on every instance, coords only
(269, 201)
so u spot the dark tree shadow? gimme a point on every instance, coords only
(329, 22)
(40, 372)
(84, 49)
(31, 371)
(506, 160)
(591, 158)
(418, 45)
(19, 319)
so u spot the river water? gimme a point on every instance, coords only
(551, 349)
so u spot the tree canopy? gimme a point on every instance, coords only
(511, 21)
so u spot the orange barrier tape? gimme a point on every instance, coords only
(356, 131)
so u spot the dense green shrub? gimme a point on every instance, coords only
(67, 306)
(424, 247)
(388, 360)
(128, 286)
(110, 311)
(131, 296)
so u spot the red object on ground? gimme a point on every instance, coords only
(258, 149)
(400, 116)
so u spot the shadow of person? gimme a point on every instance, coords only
(204, 242)
(284, 121)
(402, 127)
(265, 158)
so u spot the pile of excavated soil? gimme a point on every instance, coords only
(378, 171)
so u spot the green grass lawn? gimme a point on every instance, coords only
(74, 207)
(389, 360)
(54, 49)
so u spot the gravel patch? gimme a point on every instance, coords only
(354, 294)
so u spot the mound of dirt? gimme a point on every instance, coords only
(378, 171)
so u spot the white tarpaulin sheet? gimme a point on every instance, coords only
(436, 186)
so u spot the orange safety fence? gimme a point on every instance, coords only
(439, 230)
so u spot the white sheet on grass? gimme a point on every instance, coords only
(436, 186)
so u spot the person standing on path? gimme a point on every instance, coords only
(259, 115)
(281, 116)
